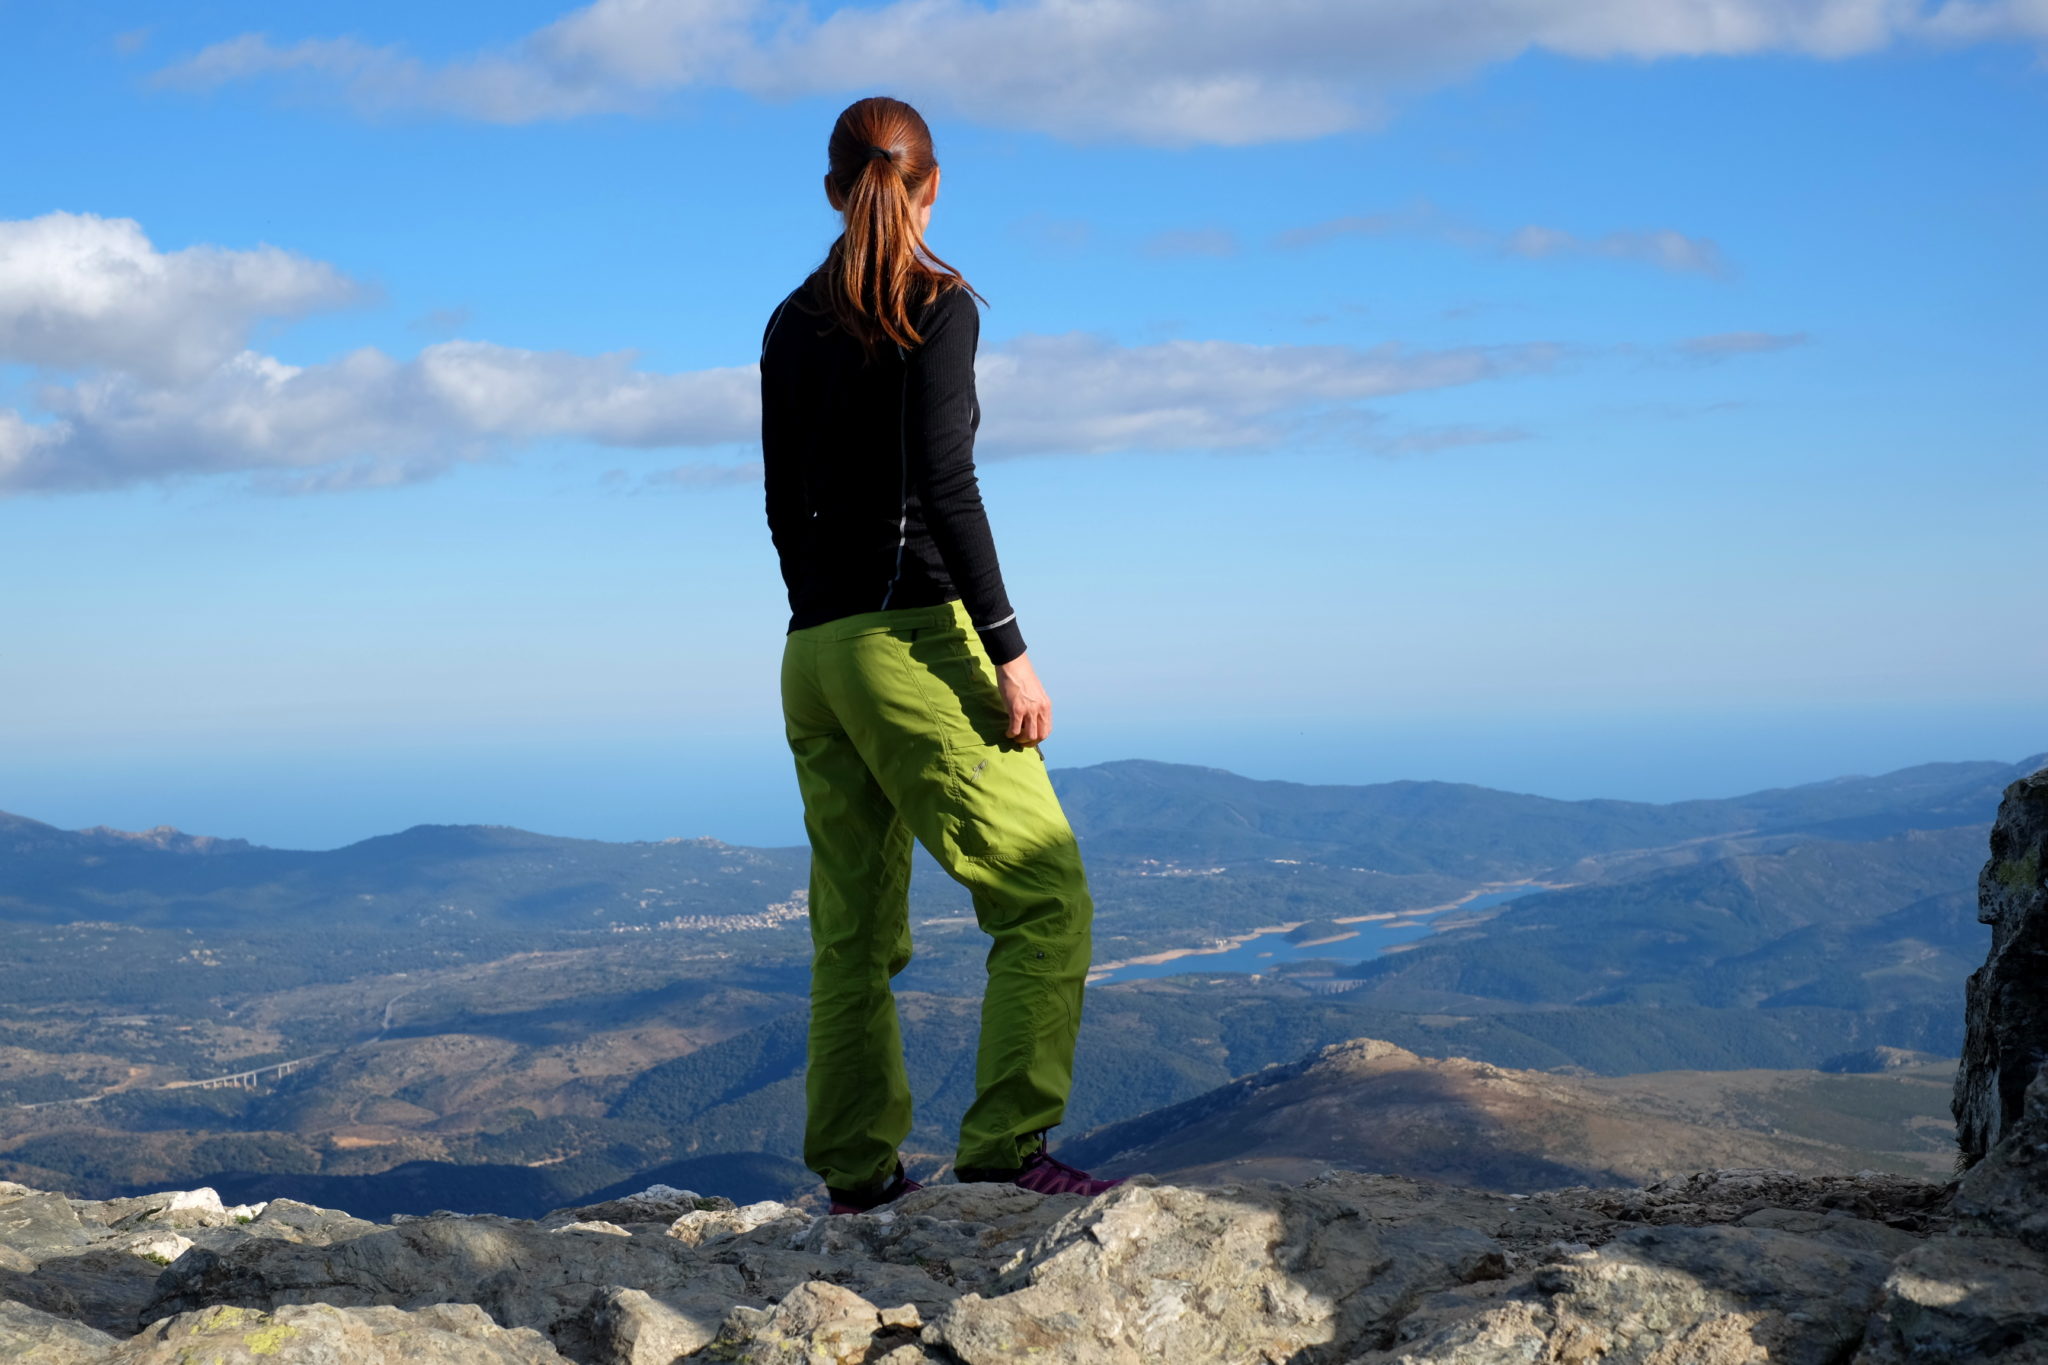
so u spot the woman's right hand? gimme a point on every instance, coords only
(1030, 708)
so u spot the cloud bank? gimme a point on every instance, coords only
(77, 289)
(147, 375)
(1079, 394)
(364, 419)
(1158, 71)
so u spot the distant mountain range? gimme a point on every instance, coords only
(555, 1016)
(1144, 809)
(453, 872)
(1122, 811)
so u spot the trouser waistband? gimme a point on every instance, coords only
(862, 623)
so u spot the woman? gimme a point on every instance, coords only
(909, 703)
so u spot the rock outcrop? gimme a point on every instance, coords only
(1344, 1269)
(1368, 1105)
(2006, 1001)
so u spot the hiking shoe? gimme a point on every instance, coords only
(1043, 1173)
(852, 1201)
(1047, 1174)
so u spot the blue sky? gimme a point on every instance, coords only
(1592, 400)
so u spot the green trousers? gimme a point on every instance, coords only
(897, 729)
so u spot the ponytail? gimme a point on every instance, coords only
(881, 162)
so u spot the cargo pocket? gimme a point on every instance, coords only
(967, 819)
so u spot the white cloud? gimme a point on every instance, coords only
(609, 56)
(1662, 247)
(1721, 345)
(369, 419)
(365, 418)
(76, 289)
(1167, 71)
(162, 382)
(1079, 394)
(697, 474)
(1979, 20)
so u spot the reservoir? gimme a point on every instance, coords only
(1267, 950)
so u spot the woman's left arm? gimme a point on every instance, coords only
(940, 416)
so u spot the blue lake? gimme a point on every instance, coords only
(1267, 950)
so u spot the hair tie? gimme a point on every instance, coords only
(883, 152)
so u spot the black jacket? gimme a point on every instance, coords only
(869, 465)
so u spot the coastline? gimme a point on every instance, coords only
(1221, 945)
(1394, 919)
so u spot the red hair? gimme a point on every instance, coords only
(881, 161)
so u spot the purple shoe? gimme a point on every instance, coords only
(852, 1201)
(1044, 1174)
(1047, 1174)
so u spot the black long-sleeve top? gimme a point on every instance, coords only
(869, 465)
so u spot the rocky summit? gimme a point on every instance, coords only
(1732, 1265)
(1348, 1267)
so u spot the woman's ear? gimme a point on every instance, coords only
(931, 189)
(832, 194)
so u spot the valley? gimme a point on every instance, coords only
(527, 1019)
